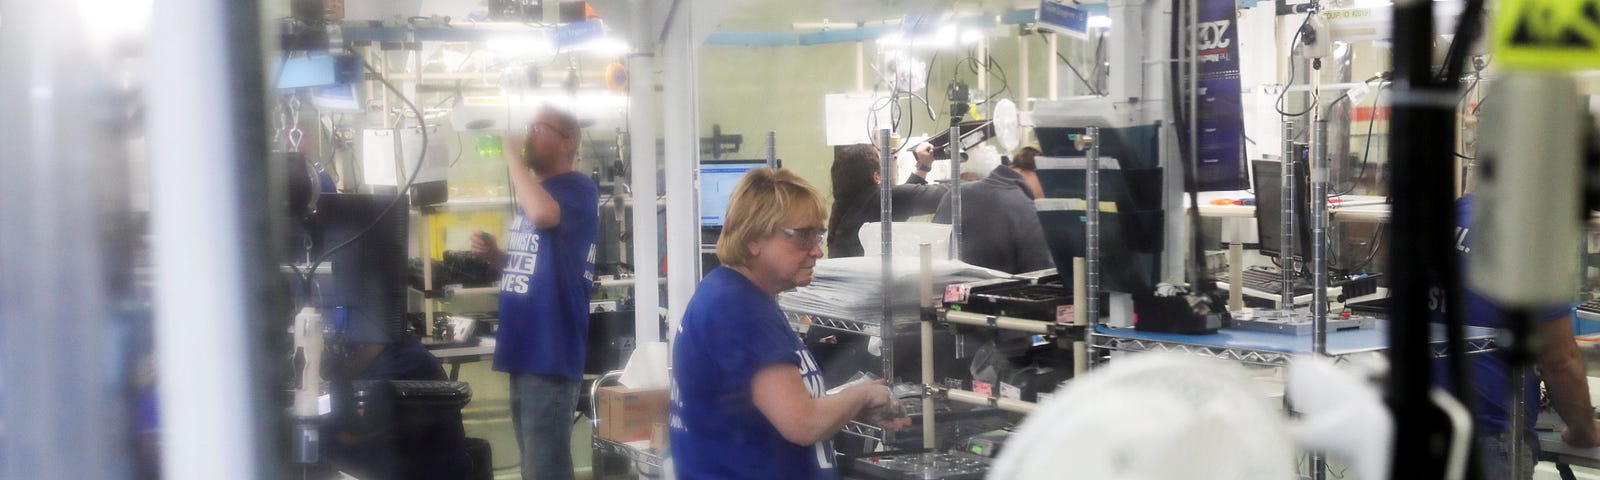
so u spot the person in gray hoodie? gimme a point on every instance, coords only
(999, 228)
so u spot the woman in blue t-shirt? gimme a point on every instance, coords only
(747, 397)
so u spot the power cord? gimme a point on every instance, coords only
(1075, 71)
(1366, 150)
(421, 155)
(1278, 105)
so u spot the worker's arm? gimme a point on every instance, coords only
(484, 246)
(537, 203)
(781, 396)
(924, 153)
(1562, 368)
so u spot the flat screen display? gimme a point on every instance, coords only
(717, 179)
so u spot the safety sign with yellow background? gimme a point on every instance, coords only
(1548, 34)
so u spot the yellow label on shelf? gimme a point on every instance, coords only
(452, 231)
(1548, 34)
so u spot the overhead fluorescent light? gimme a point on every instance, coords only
(944, 37)
(520, 45)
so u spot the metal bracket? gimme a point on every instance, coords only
(1069, 331)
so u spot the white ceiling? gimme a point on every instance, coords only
(780, 15)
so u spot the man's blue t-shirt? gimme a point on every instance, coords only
(731, 330)
(1490, 373)
(545, 287)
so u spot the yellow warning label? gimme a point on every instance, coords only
(1548, 34)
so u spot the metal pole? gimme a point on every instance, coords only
(1319, 236)
(972, 398)
(1235, 275)
(1319, 206)
(1286, 233)
(772, 149)
(1319, 242)
(1091, 188)
(1080, 347)
(1422, 247)
(925, 299)
(1518, 421)
(886, 249)
(1194, 104)
(999, 322)
(886, 331)
(955, 187)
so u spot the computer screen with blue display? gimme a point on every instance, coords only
(717, 179)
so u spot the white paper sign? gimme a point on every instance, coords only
(851, 118)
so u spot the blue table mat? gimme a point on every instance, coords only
(1339, 343)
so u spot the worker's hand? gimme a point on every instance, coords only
(483, 246)
(1582, 437)
(877, 393)
(882, 409)
(512, 143)
(924, 153)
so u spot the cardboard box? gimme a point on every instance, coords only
(659, 436)
(626, 414)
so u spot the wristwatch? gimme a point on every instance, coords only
(924, 168)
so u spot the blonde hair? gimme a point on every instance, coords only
(759, 205)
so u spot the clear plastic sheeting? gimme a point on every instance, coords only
(851, 288)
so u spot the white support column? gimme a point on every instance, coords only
(1124, 46)
(642, 133)
(209, 209)
(983, 70)
(1153, 41)
(1053, 80)
(1022, 67)
(682, 127)
(861, 66)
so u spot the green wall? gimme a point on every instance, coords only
(751, 90)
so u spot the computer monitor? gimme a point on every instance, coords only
(1268, 178)
(367, 277)
(1123, 268)
(717, 179)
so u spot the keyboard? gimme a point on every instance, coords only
(437, 393)
(1589, 310)
(1264, 280)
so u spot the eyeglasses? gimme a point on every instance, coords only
(544, 127)
(806, 237)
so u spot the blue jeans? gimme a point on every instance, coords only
(542, 409)
(1496, 456)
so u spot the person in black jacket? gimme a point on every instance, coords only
(856, 180)
(384, 439)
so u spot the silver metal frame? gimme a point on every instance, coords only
(1251, 355)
